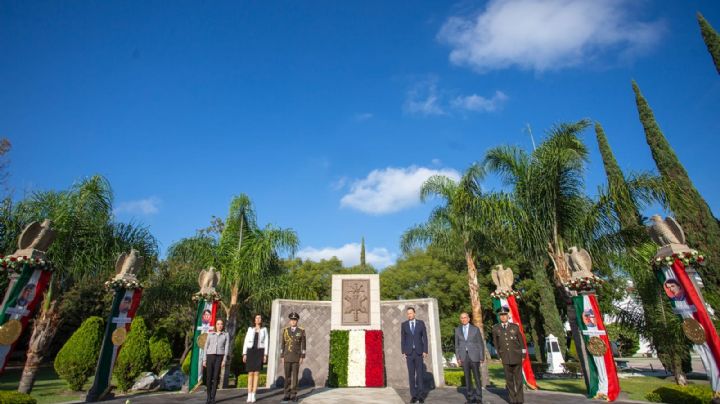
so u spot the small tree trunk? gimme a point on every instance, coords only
(477, 311)
(44, 329)
(680, 377)
(231, 328)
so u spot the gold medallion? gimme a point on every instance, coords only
(201, 340)
(596, 346)
(119, 336)
(10, 332)
(694, 331)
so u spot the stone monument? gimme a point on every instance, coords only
(355, 306)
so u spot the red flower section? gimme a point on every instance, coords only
(374, 361)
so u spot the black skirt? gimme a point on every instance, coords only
(254, 359)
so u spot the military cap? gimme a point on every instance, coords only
(503, 310)
(294, 316)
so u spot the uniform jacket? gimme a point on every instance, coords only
(217, 343)
(508, 343)
(416, 341)
(250, 338)
(473, 345)
(292, 348)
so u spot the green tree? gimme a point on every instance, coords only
(420, 275)
(649, 318)
(362, 252)
(712, 40)
(86, 247)
(690, 209)
(554, 214)
(4, 150)
(76, 361)
(160, 352)
(134, 357)
(316, 276)
(467, 219)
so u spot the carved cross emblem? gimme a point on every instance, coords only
(356, 298)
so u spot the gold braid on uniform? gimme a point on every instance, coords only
(288, 340)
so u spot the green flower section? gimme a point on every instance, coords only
(339, 348)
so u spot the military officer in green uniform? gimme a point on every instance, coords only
(509, 346)
(292, 352)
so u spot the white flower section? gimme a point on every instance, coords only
(356, 361)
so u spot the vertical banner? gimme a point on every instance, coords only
(22, 299)
(125, 304)
(511, 303)
(204, 322)
(697, 326)
(374, 360)
(602, 372)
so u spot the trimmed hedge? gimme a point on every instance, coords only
(160, 353)
(186, 363)
(673, 394)
(134, 357)
(77, 359)
(455, 378)
(338, 361)
(242, 380)
(14, 397)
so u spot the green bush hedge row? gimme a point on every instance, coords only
(673, 394)
(338, 363)
(134, 357)
(14, 397)
(77, 359)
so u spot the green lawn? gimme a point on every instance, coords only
(49, 388)
(635, 387)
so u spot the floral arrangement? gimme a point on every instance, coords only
(505, 294)
(693, 258)
(15, 264)
(208, 297)
(356, 359)
(585, 283)
(121, 283)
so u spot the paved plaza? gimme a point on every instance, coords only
(358, 395)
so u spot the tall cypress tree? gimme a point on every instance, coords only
(712, 40)
(690, 209)
(663, 332)
(362, 253)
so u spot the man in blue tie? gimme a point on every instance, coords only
(470, 351)
(414, 347)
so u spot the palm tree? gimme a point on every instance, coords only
(467, 219)
(88, 242)
(548, 187)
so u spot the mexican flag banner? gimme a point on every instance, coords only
(602, 372)
(688, 304)
(29, 279)
(509, 301)
(356, 359)
(124, 306)
(204, 322)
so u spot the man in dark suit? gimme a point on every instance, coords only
(509, 345)
(414, 346)
(470, 351)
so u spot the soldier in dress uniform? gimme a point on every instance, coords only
(509, 345)
(292, 352)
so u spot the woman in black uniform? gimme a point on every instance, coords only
(254, 354)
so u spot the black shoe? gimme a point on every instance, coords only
(420, 400)
(285, 399)
(414, 400)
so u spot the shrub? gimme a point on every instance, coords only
(242, 380)
(572, 350)
(160, 353)
(77, 359)
(134, 357)
(673, 394)
(14, 397)
(455, 378)
(338, 361)
(236, 365)
(186, 363)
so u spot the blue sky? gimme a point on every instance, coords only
(331, 114)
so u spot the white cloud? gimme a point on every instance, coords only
(362, 117)
(391, 189)
(147, 206)
(423, 99)
(480, 104)
(349, 254)
(546, 35)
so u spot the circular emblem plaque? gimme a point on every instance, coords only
(596, 346)
(119, 336)
(201, 340)
(10, 332)
(694, 331)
